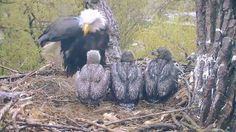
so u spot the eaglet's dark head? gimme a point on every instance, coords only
(127, 56)
(162, 53)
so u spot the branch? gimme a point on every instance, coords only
(146, 116)
(7, 2)
(156, 126)
(175, 120)
(32, 18)
(51, 126)
(6, 108)
(95, 124)
(191, 127)
(9, 69)
(32, 73)
(190, 120)
(12, 77)
(188, 90)
(161, 7)
(187, 85)
(41, 72)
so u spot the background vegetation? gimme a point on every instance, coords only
(144, 25)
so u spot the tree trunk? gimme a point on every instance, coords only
(215, 75)
(113, 53)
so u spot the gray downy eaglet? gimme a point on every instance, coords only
(92, 82)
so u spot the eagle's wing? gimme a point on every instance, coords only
(63, 28)
(136, 82)
(100, 82)
(167, 82)
(75, 49)
(82, 83)
(74, 45)
(118, 81)
(150, 76)
(98, 41)
(74, 54)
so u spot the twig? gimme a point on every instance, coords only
(175, 120)
(34, 72)
(9, 69)
(189, 126)
(188, 90)
(190, 120)
(50, 126)
(42, 73)
(202, 129)
(76, 123)
(12, 77)
(183, 49)
(6, 108)
(146, 116)
(211, 130)
(156, 126)
(160, 8)
(7, 2)
(14, 115)
(69, 101)
(95, 124)
(26, 76)
(17, 111)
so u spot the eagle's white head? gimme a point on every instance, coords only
(92, 21)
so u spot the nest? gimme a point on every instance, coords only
(45, 100)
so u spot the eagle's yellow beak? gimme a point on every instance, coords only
(86, 29)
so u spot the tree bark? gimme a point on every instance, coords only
(215, 75)
(113, 53)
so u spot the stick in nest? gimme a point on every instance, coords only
(193, 128)
(187, 84)
(95, 124)
(6, 108)
(9, 69)
(146, 116)
(190, 120)
(173, 116)
(156, 126)
(24, 76)
(188, 90)
(51, 126)
(34, 72)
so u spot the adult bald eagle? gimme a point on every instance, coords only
(78, 35)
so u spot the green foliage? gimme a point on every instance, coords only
(20, 53)
(182, 5)
(129, 14)
(174, 35)
(145, 25)
(19, 48)
(142, 22)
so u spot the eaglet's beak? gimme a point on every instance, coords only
(155, 53)
(86, 29)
